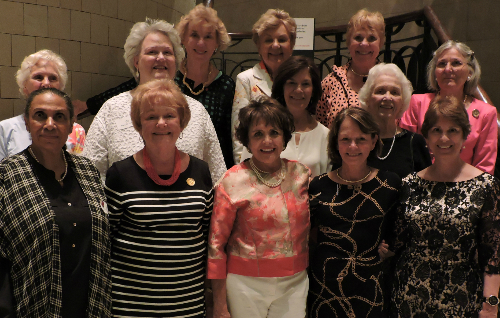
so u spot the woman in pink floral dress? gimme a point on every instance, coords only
(258, 241)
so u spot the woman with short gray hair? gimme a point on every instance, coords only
(42, 69)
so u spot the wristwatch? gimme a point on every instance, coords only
(491, 300)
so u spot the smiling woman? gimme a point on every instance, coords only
(386, 95)
(160, 205)
(274, 35)
(454, 71)
(258, 242)
(203, 34)
(364, 38)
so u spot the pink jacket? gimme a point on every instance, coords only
(256, 230)
(481, 144)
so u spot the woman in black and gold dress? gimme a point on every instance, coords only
(448, 229)
(349, 206)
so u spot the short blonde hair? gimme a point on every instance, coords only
(386, 69)
(24, 72)
(139, 32)
(364, 19)
(272, 19)
(201, 12)
(158, 92)
(472, 64)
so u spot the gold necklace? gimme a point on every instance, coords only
(356, 181)
(65, 163)
(360, 75)
(258, 173)
(184, 67)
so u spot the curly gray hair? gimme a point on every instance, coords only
(139, 32)
(24, 72)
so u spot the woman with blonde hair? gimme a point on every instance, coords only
(152, 51)
(364, 38)
(274, 35)
(203, 34)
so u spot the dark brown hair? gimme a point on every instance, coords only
(366, 124)
(449, 107)
(268, 110)
(287, 70)
(55, 91)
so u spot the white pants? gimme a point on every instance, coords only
(267, 297)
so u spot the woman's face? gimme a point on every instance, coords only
(275, 47)
(43, 75)
(451, 70)
(364, 46)
(266, 144)
(49, 122)
(200, 40)
(386, 101)
(354, 146)
(161, 126)
(445, 138)
(298, 91)
(156, 59)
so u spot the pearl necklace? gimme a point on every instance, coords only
(184, 67)
(150, 170)
(356, 181)
(390, 149)
(258, 173)
(65, 164)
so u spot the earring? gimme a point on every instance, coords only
(180, 136)
(137, 74)
(215, 51)
(468, 78)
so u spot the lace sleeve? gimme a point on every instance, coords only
(489, 229)
(398, 227)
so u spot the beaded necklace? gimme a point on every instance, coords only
(150, 170)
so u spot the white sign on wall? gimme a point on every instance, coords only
(305, 34)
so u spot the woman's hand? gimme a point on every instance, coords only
(488, 311)
(220, 302)
(383, 250)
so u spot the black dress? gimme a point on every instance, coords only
(345, 269)
(408, 154)
(449, 235)
(218, 101)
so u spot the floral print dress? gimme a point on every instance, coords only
(449, 234)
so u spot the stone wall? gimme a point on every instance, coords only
(88, 34)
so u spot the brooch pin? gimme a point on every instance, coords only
(475, 113)
(190, 182)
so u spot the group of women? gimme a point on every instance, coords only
(284, 234)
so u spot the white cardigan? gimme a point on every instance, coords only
(112, 137)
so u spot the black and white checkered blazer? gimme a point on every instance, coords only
(29, 239)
